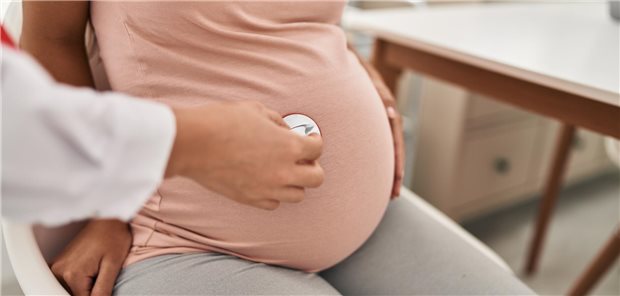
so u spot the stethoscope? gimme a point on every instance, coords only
(301, 124)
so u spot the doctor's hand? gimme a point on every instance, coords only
(245, 152)
(90, 264)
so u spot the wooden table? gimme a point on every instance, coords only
(560, 60)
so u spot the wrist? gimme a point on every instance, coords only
(187, 129)
(175, 164)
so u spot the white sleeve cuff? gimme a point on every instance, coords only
(146, 132)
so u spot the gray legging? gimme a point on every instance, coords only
(409, 253)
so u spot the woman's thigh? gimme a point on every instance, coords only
(211, 274)
(412, 253)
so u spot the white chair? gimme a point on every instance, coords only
(31, 249)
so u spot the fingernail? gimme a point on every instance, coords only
(391, 112)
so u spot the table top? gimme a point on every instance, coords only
(573, 47)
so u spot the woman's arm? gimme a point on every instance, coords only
(53, 32)
(396, 122)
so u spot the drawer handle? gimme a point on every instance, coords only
(578, 143)
(501, 165)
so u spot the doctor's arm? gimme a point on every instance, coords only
(71, 153)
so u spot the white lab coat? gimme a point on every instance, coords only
(71, 153)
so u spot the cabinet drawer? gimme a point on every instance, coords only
(495, 161)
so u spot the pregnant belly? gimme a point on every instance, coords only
(332, 221)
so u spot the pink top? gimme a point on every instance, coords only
(289, 55)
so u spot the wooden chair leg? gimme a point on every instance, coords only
(389, 73)
(552, 188)
(598, 267)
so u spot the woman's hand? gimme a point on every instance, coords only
(396, 121)
(90, 264)
(396, 124)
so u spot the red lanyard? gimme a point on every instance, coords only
(6, 39)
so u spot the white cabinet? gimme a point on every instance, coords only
(495, 160)
(474, 155)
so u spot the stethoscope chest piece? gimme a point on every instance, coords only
(301, 124)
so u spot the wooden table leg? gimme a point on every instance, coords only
(389, 73)
(547, 203)
(598, 267)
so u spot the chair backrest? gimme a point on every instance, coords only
(30, 251)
